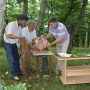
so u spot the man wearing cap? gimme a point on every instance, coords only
(11, 37)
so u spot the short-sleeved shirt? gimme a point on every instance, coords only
(59, 31)
(13, 29)
(29, 35)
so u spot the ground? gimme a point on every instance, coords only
(42, 81)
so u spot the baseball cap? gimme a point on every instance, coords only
(22, 16)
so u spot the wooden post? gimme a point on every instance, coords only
(37, 65)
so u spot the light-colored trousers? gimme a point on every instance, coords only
(61, 48)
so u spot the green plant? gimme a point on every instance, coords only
(16, 86)
(19, 86)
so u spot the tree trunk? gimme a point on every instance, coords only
(74, 28)
(68, 12)
(25, 7)
(2, 8)
(86, 39)
(41, 16)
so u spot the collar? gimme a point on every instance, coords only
(17, 24)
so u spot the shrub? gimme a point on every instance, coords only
(19, 86)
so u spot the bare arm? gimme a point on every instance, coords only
(48, 36)
(13, 37)
(56, 41)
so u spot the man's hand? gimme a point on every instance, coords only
(49, 45)
(20, 37)
(42, 36)
(35, 49)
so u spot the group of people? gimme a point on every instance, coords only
(15, 30)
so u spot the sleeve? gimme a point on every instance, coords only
(34, 34)
(63, 32)
(50, 32)
(22, 32)
(9, 29)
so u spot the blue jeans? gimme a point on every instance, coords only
(44, 60)
(13, 58)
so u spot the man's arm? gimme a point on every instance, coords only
(48, 36)
(13, 37)
(56, 41)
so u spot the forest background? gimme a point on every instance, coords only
(73, 13)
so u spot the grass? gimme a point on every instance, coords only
(38, 82)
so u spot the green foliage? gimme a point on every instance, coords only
(43, 32)
(54, 8)
(19, 1)
(19, 86)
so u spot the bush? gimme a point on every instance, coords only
(19, 86)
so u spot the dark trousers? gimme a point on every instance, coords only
(13, 58)
(44, 60)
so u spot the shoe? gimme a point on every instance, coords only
(58, 73)
(20, 74)
(16, 78)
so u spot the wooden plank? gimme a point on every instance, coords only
(63, 63)
(37, 65)
(73, 58)
(77, 79)
(78, 68)
(37, 53)
(78, 73)
(50, 64)
(62, 79)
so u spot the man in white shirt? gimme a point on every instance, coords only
(11, 37)
(29, 33)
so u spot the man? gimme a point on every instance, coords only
(59, 31)
(11, 37)
(29, 33)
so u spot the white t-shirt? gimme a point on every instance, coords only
(29, 35)
(13, 29)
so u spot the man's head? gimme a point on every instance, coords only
(31, 25)
(22, 19)
(53, 22)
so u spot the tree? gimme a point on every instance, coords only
(25, 10)
(87, 33)
(2, 8)
(74, 28)
(41, 16)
